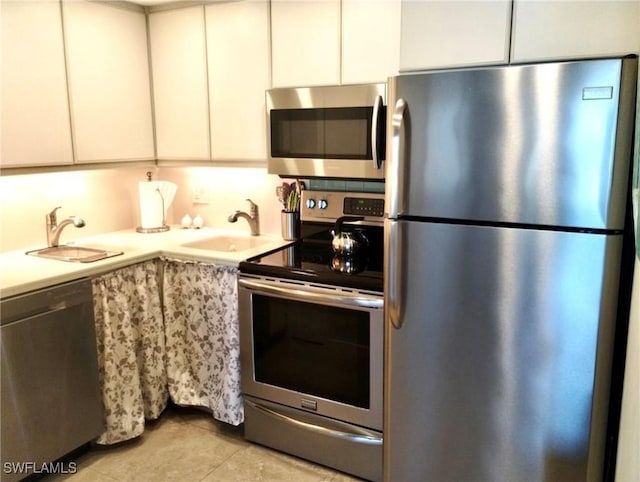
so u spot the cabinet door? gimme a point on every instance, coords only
(179, 66)
(439, 34)
(108, 70)
(35, 106)
(370, 40)
(572, 29)
(305, 42)
(238, 59)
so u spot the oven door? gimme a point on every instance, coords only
(314, 348)
(332, 131)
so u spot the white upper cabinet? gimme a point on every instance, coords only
(327, 42)
(370, 40)
(305, 42)
(239, 74)
(35, 110)
(544, 30)
(180, 92)
(439, 34)
(108, 71)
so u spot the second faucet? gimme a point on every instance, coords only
(253, 218)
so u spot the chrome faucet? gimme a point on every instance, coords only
(253, 218)
(54, 229)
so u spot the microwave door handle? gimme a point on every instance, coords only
(375, 135)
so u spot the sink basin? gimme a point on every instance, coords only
(76, 254)
(227, 243)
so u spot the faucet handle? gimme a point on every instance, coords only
(253, 206)
(51, 217)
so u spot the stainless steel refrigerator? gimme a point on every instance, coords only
(506, 192)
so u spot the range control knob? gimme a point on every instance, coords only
(311, 203)
(322, 204)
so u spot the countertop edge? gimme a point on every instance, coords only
(18, 270)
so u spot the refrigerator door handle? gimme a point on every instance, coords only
(397, 159)
(375, 134)
(393, 282)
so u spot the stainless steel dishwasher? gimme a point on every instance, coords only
(51, 402)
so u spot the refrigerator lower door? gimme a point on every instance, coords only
(500, 368)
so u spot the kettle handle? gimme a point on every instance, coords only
(345, 219)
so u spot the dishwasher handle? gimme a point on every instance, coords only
(46, 300)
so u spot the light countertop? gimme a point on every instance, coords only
(21, 273)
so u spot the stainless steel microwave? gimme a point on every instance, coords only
(327, 131)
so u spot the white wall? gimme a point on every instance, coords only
(228, 190)
(107, 199)
(628, 457)
(628, 460)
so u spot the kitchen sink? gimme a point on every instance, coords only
(77, 254)
(227, 243)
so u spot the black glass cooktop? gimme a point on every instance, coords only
(312, 259)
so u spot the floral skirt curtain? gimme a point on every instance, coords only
(130, 339)
(202, 341)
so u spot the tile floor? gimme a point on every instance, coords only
(187, 445)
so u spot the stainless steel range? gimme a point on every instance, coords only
(311, 335)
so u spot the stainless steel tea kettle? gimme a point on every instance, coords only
(347, 243)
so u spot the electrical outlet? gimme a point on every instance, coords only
(200, 194)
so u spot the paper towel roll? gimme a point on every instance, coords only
(155, 199)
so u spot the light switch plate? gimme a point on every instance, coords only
(200, 194)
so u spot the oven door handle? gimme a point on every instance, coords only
(310, 295)
(366, 437)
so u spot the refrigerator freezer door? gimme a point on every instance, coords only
(545, 144)
(499, 370)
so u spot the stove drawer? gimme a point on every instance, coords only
(340, 445)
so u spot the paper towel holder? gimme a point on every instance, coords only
(159, 229)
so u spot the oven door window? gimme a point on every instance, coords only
(322, 133)
(313, 349)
